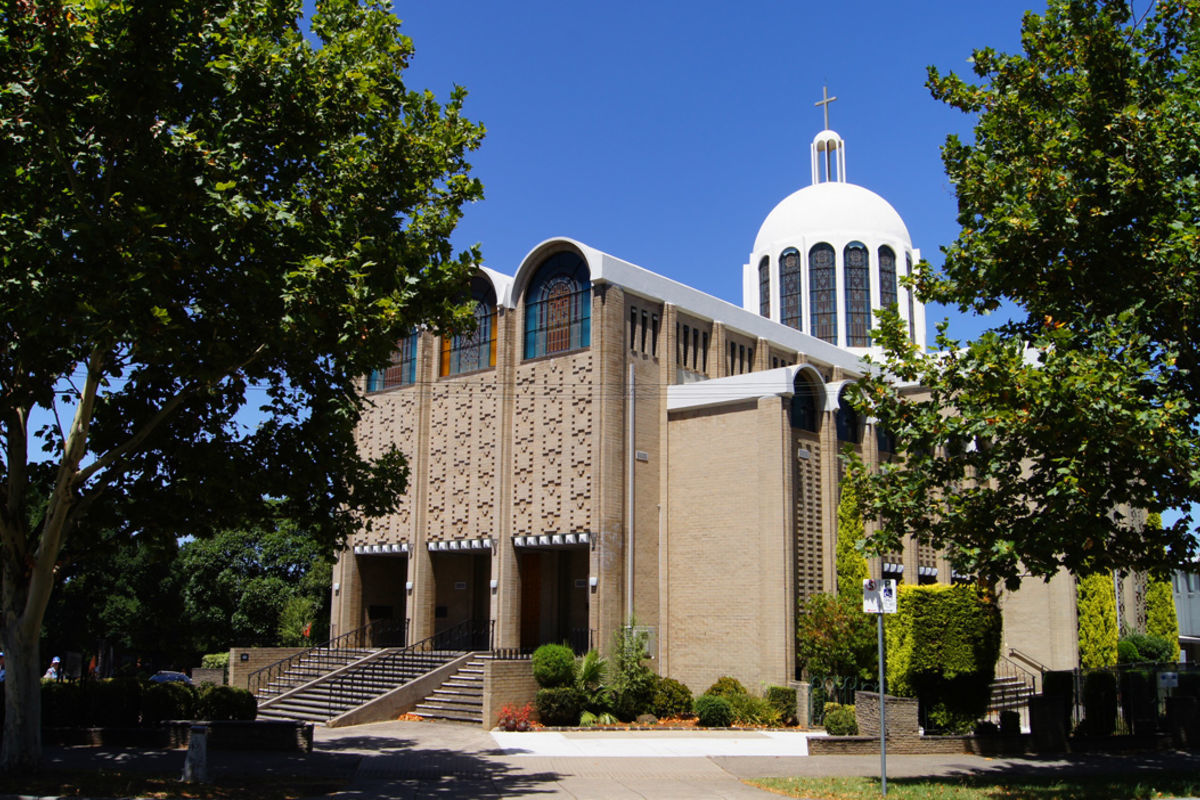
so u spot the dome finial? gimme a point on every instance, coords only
(828, 149)
(825, 101)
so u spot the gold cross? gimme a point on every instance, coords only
(825, 102)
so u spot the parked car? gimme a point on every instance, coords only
(166, 676)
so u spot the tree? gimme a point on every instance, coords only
(198, 207)
(1098, 635)
(835, 637)
(236, 585)
(851, 566)
(1036, 447)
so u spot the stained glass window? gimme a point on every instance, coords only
(789, 291)
(764, 287)
(403, 369)
(473, 350)
(887, 277)
(558, 306)
(858, 295)
(848, 427)
(805, 405)
(912, 324)
(822, 289)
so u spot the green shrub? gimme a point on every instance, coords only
(986, 728)
(839, 720)
(671, 698)
(63, 705)
(726, 686)
(783, 700)
(1099, 703)
(1127, 652)
(114, 703)
(631, 682)
(943, 647)
(750, 710)
(558, 705)
(553, 666)
(167, 701)
(215, 660)
(834, 637)
(225, 703)
(1097, 621)
(713, 711)
(589, 680)
(1161, 619)
(1150, 647)
(587, 720)
(851, 566)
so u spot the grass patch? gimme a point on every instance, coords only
(111, 783)
(983, 787)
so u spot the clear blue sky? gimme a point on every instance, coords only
(663, 133)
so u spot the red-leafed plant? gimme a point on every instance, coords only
(514, 718)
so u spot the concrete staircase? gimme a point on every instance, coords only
(459, 699)
(333, 692)
(310, 667)
(1009, 693)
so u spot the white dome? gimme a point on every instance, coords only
(831, 209)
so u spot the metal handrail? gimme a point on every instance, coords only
(356, 638)
(463, 637)
(1028, 659)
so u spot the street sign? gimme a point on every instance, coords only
(879, 596)
(1168, 680)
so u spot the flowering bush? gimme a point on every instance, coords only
(513, 718)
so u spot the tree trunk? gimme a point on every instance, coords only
(22, 749)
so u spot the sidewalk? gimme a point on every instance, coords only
(435, 760)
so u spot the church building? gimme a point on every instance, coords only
(612, 445)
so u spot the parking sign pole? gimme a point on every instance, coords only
(882, 712)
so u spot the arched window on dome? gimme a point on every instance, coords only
(912, 323)
(822, 291)
(789, 288)
(857, 278)
(849, 428)
(887, 277)
(475, 349)
(764, 287)
(558, 306)
(806, 406)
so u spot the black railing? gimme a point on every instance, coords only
(833, 689)
(379, 633)
(416, 659)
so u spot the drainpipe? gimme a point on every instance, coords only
(631, 456)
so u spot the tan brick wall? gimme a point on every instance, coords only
(504, 683)
(1039, 620)
(256, 659)
(901, 715)
(729, 598)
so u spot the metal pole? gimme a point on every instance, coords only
(882, 712)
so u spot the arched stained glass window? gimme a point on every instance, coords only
(822, 289)
(858, 294)
(558, 306)
(403, 369)
(806, 406)
(789, 288)
(764, 287)
(848, 427)
(912, 323)
(887, 277)
(476, 349)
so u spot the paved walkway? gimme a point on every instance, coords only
(410, 760)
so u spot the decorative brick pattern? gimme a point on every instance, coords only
(463, 458)
(810, 553)
(394, 420)
(553, 446)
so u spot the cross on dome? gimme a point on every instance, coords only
(825, 101)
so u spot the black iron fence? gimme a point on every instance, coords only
(834, 689)
(1140, 699)
(373, 634)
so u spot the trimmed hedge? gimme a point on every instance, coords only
(1097, 621)
(726, 686)
(840, 720)
(713, 711)
(216, 703)
(559, 705)
(1099, 703)
(783, 700)
(128, 703)
(553, 666)
(164, 701)
(942, 646)
(671, 698)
